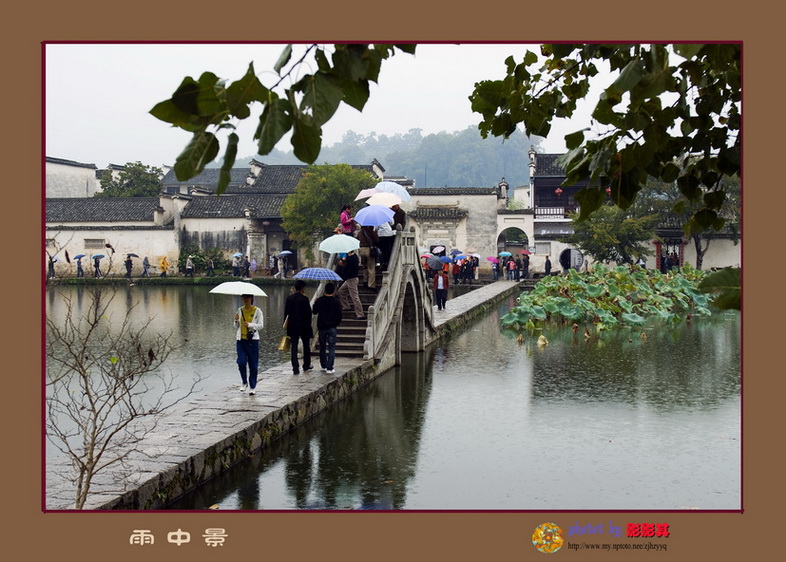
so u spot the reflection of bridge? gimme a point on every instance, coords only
(400, 317)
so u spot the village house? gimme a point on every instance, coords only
(246, 218)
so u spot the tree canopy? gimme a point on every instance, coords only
(312, 211)
(672, 112)
(613, 235)
(134, 180)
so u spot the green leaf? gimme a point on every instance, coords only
(589, 199)
(322, 93)
(574, 140)
(408, 48)
(229, 160)
(306, 139)
(202, 150)
(714, 199)
(245, 91)
(283, 59)
(356, 93)
(274, 123)
(629, 77)
(632, 318)
(670, 172)
(688, 50)
(726, 284)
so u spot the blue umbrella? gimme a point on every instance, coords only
(445, 259)
(459, 257)
(505, 254)
(317, 273)
(99, 256)
(237, 255)
(454, 252)
(374, 215)
(78, 256)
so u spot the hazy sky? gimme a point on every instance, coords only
(98, 96)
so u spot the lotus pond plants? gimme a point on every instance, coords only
(609, 297)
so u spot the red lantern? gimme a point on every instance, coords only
(558, 191)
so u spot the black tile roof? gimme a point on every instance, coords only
(100, 209)
(283, 178)
(453, 191)
(233, 206)
(208, 178)
(273, 179)
(70, 162)
(546, 165)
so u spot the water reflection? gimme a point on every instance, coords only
(361, 454)
(480, 421)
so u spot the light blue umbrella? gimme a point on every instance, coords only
(318, 274)
(393, 187)
(374, 215)
(445, 259)
(505, 254)
(339, 243)
(459, 257)
(237, 255)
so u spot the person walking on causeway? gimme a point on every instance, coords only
(248, 322)
(441, 284)
(328, 311)
(297, 315)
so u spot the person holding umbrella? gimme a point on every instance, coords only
(349, 288)
(97, 266)
(79, 271)
(368, 241)
(328, 311)
(248, 322)
(145, 267)
(297, 316)
(129, 264)
(190, 266)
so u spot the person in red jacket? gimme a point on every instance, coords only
(441, 284)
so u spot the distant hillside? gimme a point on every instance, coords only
(458, 159)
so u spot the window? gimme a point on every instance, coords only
(94, 243)
(543, 248)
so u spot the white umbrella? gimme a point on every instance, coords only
(384, 198)
(367, 193)
(393, 187)
(339, 243)
(238, 288)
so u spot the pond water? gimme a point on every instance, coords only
(482, 422)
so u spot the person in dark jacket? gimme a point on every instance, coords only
(548, 266)
(441, 284)
(297, 314)
(328, 311)
(399, 217)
